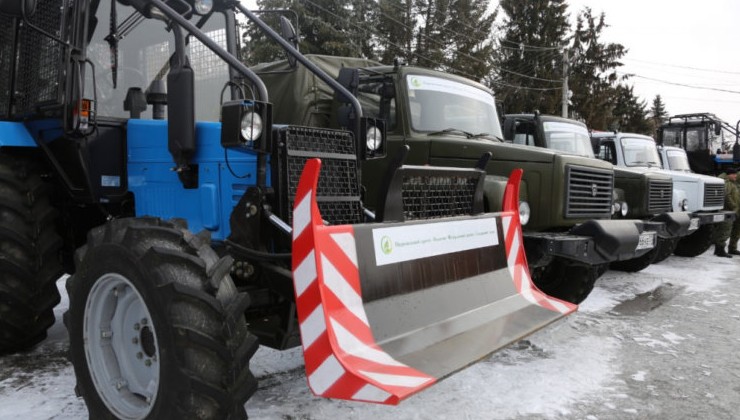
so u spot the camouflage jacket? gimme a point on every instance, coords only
(732, 194)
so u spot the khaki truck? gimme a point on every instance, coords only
(700, 195)
(640, 193)
(435, 118)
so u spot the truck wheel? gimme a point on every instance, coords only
(666, 247)
(636, 264)
(567, 281)
(156, 326)
(695, 244)
(29, 255)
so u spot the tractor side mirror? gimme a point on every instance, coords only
(18, 8)
(287, 31)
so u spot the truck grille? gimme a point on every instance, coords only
(429, 197)
(660, 196)
(589, 192)
(714, 195)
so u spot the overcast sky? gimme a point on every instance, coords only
(665, 38)
(675, 43)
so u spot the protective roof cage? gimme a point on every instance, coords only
(7, 48)
(40, 59)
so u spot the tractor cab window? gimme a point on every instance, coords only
(569, 138)
(677, 161)
(608, 152)
(640, 152)
(438, 104)
(696, 139)
(136, 55)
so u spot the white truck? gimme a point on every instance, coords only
(700, 195)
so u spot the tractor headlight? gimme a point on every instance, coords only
(203, 7)
(251, 127)
(684, 205)
(624, 209)
(524, 212)
(374, 138)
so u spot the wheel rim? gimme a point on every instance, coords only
(121, 347)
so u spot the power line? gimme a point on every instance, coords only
(684, 67)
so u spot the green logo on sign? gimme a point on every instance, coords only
(386, 245)
(416, 82)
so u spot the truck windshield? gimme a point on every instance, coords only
(677, 161)
(640, 152)
(569, 138)
(142, 53)
(438, 104)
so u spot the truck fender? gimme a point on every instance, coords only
(493, 191)
(15, 134)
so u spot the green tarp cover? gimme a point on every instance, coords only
(298, 96)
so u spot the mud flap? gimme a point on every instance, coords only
(388, 309)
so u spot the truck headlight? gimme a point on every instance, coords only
(624, 209)
(524, 212)
(203, 7)
(251, 127)
(616, 206)
(374, 138)
(684, 205)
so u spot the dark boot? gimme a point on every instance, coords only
(733, 252)
(719, 250)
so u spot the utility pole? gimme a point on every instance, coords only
(565, 83)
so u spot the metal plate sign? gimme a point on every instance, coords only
(647, 240)
(694, 224)
(719, 218)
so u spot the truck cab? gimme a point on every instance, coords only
(640, 193)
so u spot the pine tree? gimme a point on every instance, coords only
(470, 45)
(396, 23)
(529, 64)
(594, 77)
(629, 113)
(658, 112)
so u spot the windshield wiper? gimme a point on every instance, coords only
(453, 131)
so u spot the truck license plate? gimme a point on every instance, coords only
(694, 224)
(647, 240)
(719, 218)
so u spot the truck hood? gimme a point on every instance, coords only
(640, 172)
(460, 148)
(690, 177)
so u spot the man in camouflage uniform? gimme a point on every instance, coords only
(723, 230)
(735, 232)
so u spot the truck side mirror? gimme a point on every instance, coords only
(717, 128)
(287, 31)
(509, 128)
(18, 8)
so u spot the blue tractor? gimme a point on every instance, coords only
(126, 125)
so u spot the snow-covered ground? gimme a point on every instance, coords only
(618, 357)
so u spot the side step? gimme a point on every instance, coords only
(388, 309)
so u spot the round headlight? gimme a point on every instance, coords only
(624, 209)
(251, 126)
(524, 212)
(616, 206)
(685, 204)
(374, 138)
(203, 7)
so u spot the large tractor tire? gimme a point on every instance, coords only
(697, 243)
(567, 281)
(29, 255)
(156, 325)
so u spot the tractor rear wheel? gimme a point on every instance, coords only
(156, 325)
(29, 255)
(695, 244)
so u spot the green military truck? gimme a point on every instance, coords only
(641, 193)
(435, 118)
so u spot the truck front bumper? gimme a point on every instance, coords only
(701, 218)
(593, 242)
(673, 224)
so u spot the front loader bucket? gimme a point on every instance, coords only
(388, 309)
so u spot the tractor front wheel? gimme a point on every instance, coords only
(156, 326)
